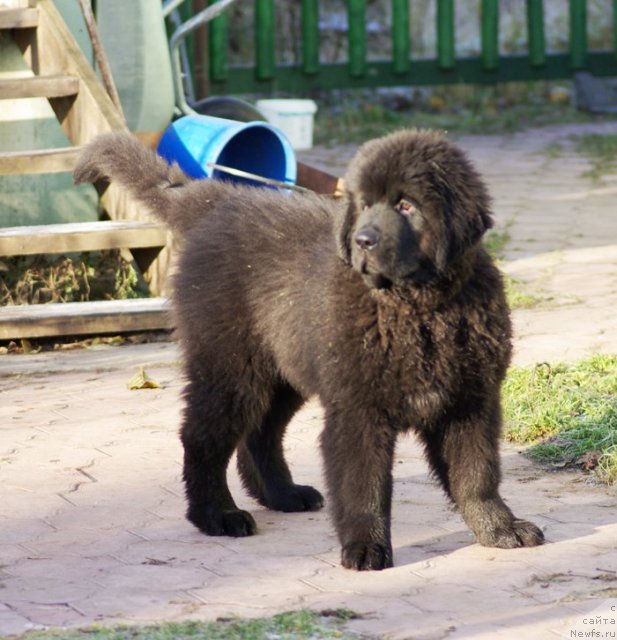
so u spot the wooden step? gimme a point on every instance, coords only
(52, 86)
(83, 318)
(20, 18)
(19, 163)
(81, 236)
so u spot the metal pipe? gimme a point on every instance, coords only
(99, 55)
(182, 32)
(170, 6)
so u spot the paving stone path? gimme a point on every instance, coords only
(91, 501)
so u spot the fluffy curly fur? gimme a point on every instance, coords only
(385, 305)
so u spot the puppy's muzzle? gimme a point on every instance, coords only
(368, 238)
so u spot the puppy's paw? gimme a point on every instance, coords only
(366, 556)
(520, 533)
(235, 523)
(295, 497)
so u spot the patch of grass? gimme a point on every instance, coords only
(294, 625)
(567, 412)
(495, 242)
(518, 297)
(602, 151)
(554, 150)
(40, 279)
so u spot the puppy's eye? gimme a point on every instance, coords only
(405, 207)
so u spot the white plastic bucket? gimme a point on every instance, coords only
(293, 117)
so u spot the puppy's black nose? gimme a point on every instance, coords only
(368, 238)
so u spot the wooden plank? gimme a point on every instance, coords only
(14, 163)
(20, 18)
(356, 37)
(265, 46)
(535, 32)
(446, 49)
(92, 112)
(83, 318)
(52, 86)
(319, 181)
(310, 36)
(81, 236)
(489, 31)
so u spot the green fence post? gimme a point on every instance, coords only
(490, 34)
(445, 33)
(615, 26)
(535, 33)
(400, 36)
(218, 47)
(357, 37)
(578, 33)
(264, 39)
(310, 36)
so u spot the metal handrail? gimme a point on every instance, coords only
(182, 32)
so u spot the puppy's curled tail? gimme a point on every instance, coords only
(121, 158)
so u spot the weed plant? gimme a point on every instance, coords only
(88, 276)
(601, 151)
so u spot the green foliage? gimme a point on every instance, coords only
(354, 117)
(294, 625)
(567, 411)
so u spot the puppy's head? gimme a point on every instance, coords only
(415, 204)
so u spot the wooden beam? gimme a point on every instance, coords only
(81, 236)
(83, 318)
(53, 86)
(319, 181)
(14, 163)
(92, 112)
(20, 18)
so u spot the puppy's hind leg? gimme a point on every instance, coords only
(262, 464)
(211, 430)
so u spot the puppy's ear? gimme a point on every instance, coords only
(463, 232)
(343, 228)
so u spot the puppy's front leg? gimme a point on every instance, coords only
(358, 460)
(468, 461)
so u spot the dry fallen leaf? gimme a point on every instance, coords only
(141, 380)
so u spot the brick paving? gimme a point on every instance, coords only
(91, 511)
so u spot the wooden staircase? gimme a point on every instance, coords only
(63, 76)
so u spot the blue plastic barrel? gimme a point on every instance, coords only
(196, 141)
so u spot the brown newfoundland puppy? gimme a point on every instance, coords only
(386, 306)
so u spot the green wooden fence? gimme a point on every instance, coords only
(266, 76)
